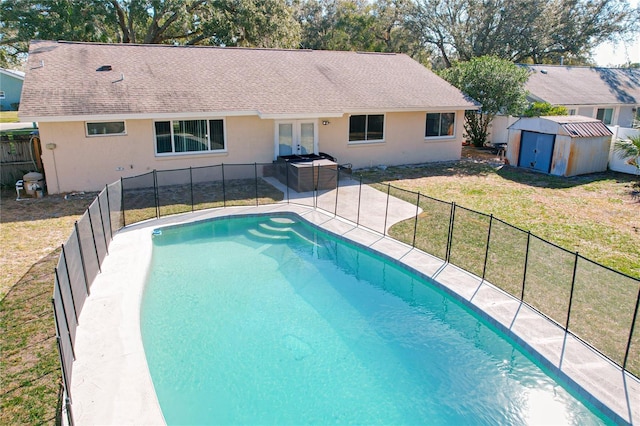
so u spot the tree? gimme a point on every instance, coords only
(339, 25)
(496, 83)
(25, 20)
(259, 23)
(540, 109)
(629, 149)
(535, 31)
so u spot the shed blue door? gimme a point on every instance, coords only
(536, 150)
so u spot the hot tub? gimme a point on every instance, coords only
(307, 172)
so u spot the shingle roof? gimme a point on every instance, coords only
(62, 81)
(561, 85)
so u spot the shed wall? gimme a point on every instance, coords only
(588, 155)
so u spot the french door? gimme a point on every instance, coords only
(297, 137)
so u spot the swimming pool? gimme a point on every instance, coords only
(268, 320)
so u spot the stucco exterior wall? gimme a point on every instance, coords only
(82, 163)
(404, 142)
(586, 111)
(625, 116)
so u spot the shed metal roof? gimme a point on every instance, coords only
(575, 126)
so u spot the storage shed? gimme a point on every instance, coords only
(566, 145)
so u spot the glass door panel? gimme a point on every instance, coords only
(296, 138)
(285, 139)
(307, 138)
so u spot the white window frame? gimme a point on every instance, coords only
(204, 152)
(614, 114)
(94, 135)
(452, 136)
(368, 141)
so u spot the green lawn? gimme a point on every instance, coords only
(9, 116)
(596, 215)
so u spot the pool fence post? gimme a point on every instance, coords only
(104, 234)
(315, 178)
(255, 168)
(191, 185)
(386, 210)
(84, 268)
(486, 252)
(335, 208)
(124, 222)
(286, 168)
(224, 189)
(155, 192)
(415, 222)
(359, 199)
(64, 311)
(526, 262)
(452, 216)
(573, 283)
(633, 323)
(106, 191)
(73, 301)
(68, 408)
(93, 236)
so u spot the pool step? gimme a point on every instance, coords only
(276, 229)
(263, 236)
(280, 222)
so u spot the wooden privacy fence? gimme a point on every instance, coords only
(19, 154)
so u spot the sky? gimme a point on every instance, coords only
(608, 54)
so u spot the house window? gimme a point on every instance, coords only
(184, 136)
(366, 128)
(572, 112)
(106, 128)
(605, 115)
(440, 124)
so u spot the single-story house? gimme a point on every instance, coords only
(611, 95)
(10, 89)
(111, 110)
(565, 145)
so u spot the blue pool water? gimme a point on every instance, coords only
(263, 320)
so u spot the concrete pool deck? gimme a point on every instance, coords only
(111, 382)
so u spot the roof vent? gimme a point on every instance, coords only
(543, 71)
(105, 68)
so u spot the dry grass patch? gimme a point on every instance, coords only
(31, 233)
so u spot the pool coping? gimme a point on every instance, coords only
(111, 383)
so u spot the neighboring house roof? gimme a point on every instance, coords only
(63, 82)
(13, 73)
(562, 85)
(575, 126)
